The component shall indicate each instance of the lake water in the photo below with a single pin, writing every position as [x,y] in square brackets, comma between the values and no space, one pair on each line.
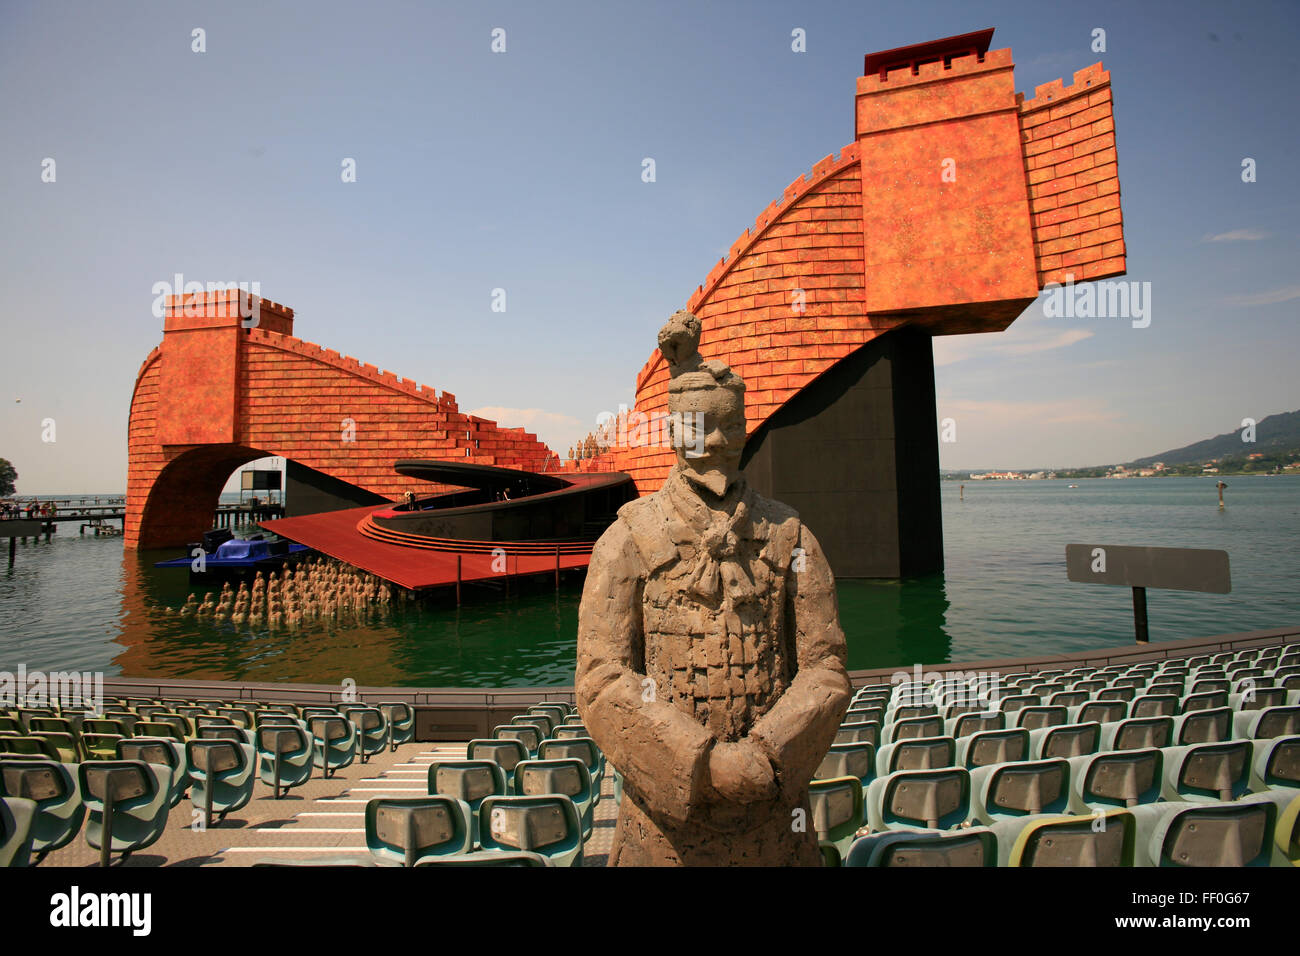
[83,603]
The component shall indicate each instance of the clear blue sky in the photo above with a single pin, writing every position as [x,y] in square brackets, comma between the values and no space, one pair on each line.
[522,170]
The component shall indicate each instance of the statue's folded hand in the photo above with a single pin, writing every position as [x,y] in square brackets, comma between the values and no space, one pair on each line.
[741,772]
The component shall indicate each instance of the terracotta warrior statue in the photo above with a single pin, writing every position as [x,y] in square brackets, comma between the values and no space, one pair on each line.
[711,664]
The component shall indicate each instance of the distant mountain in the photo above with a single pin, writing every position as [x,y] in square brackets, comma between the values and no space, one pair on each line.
[1275,433]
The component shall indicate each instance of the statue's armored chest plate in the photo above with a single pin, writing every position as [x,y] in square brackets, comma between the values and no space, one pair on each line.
[725,658]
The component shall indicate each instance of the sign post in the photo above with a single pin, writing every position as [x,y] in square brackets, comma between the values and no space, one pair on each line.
[1180,569]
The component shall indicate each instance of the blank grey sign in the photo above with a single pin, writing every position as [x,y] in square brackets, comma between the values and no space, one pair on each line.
[21,528]
[1180,569]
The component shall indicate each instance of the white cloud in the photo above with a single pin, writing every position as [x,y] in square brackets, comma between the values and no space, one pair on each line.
[1238,235]
[1276,296]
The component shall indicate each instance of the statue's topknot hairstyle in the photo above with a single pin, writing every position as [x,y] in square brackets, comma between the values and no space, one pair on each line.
[679,341]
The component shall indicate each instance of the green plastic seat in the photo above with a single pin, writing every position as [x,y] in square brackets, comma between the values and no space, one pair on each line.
[1209,726]
[556,711]
[838,810]
[401,721]
[973,846]
[66,746]
[568,776]
[1175,833]
[1115,779]
[471,782]
[568,731]
[163,751]
[126,803]
[488,858]
[100,746]
[12,725]
[1067,740]
[992,746]
[919,799]
[285,756]
[542,722]
[336,742]
[1049,840]
[1208,773]
[1268,722]
[1027,788]
[848,760]
[225,732]
[530,735]
[1156,705]
[1286,831]
[581,748]
[17,817]
[1138,733]
[1099,711]
[974,722]
[318,710]
[222,775]
[858,732]
[548,825]
[1037,716]
[912,727]
[505,753]
[29,746]
[1258,698]
[157,728]
[53,788]
[372,730]
[240,716]
[1276,764]
[917,753]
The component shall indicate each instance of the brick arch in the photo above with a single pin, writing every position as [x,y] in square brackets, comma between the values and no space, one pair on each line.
[215,395]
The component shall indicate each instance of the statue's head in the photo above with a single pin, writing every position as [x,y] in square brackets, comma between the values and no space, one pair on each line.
[706,405]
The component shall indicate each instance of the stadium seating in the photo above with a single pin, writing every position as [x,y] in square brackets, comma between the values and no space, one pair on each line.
[222,775]
[548,825]
[17,817]
[53,789]
[406,831]
[126,803]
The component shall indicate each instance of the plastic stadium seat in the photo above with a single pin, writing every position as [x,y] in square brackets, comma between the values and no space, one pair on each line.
[557,712]
[65,745]
[1200,686]
[408,830]
[569,732]
[225,732]
[372,730]
[100,746]
[919,799]
[32,746]
[1019,789]
[1202,727]
[285,756]
[319,710]
[1038,716]
[837,811]
[127,802]
[974,846]
[336,742]
[1276,764]
[856,715]
[164,752]
[1208,773]
[908,711]
[1125,694]
[1100,711]
[52,787]
[1286,831]
[1070,698]
[401,722]
[916,753]
[993,746]
[158,728]
[222,775]
[859,732]
[17,817]
[848,760]
[1268,722]
[504,753]
[548,825]
[1156,705]
[238,715]
[1257,698]
[581,748]
[1107,839]
[1206,700]
[470,781]
[530,735]
[11,724]
[973,723]
[542,722]
[912,727]
[569,776]
[488,858]
[1124,778]
[1067,740]
[1091,686]
[1137,733]
[1239,833]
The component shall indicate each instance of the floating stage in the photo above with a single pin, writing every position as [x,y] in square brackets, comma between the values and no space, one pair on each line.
[500,523]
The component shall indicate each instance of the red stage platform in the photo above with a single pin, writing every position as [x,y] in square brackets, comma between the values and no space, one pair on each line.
[336,534]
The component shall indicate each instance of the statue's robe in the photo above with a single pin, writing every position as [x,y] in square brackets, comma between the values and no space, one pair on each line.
[700,624]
